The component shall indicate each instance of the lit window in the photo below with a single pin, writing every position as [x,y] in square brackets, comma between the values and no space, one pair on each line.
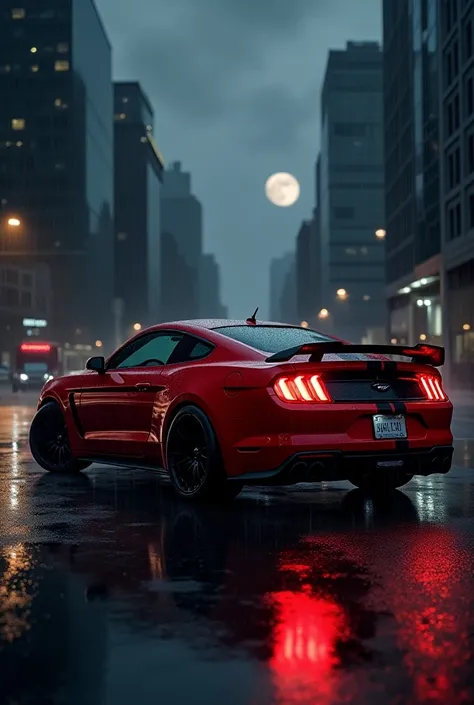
[62,48]
[120,116]
[124,100]
[5,69]
[143,140]
[18,13]
[35,68]
[58,102]
[61,65]
[122,236]
[19,144]
[18,124]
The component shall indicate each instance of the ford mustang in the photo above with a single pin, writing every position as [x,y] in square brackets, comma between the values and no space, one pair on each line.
[221,404]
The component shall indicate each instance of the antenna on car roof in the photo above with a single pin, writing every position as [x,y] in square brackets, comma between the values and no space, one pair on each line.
[252,321]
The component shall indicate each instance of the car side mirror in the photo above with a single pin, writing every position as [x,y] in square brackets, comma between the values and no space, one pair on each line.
[97,364]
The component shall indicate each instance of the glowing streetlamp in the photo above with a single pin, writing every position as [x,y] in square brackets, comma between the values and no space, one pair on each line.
[137,326]
[14,222]
[423,336]
[342,294]
[380,234]
[98,343]
[324,313]
[466,326]
[304,324]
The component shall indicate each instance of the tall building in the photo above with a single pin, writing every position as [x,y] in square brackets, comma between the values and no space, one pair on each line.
[179,292]
[138,176]
[457,185]
[56,158]
[412,167]
[305,304]
[181,220]
[351,184]
[287,302]
[280,267]
[210,305]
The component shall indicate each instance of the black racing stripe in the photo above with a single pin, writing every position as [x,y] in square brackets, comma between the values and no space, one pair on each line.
[401,445]
[374,366]
[390,368]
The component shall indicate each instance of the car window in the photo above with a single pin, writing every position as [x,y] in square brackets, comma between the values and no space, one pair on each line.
[147,349]
[199,350]
[272,339]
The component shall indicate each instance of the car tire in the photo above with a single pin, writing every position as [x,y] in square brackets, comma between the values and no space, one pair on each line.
[194,460]
[49,441]
[379,484]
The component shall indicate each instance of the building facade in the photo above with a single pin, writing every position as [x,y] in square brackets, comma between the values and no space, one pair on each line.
[138,176]
[181,228]
[210,305]
[412,149]
[456,34]
[280,268]
[56,158]
[351,185]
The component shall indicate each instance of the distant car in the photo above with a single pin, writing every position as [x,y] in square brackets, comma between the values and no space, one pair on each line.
[220,404]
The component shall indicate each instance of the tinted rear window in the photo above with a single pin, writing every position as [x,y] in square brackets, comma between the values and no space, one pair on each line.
[272,339]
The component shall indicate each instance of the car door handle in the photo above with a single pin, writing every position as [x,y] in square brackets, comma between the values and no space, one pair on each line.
[143,387]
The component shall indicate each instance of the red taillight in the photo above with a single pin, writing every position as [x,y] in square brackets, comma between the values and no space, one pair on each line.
[35,347]
[432,388]
[302,388]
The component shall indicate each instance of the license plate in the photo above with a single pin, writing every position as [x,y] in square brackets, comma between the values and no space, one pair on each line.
[389,426]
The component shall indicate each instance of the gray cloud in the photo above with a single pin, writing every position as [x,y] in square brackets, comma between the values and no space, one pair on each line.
[195,56]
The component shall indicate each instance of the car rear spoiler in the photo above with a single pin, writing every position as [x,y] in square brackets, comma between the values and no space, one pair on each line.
[425,354]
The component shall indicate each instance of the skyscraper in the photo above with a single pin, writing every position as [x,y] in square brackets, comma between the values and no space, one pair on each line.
[351,184]
[210,305]
[412,166]
[56,157]
[138,175]
[181,220]
[280,268]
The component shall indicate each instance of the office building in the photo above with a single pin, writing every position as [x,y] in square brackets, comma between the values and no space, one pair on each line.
[456,72]
[138,176]
[279,270]
[56,158]
[412,168]
[179,283]
[287,300]
[351,186]
[181,222]
[307,270]
[210,305]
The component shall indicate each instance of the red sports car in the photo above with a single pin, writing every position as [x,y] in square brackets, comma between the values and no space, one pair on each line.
[221,404]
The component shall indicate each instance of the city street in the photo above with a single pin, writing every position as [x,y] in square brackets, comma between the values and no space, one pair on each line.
[113,592]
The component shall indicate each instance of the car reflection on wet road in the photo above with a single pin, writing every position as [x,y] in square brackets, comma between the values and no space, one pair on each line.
[114,592]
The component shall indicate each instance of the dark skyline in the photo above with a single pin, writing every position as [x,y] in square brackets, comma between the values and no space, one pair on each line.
[235,88]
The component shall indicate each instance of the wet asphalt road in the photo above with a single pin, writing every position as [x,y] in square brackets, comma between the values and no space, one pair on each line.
[113,592]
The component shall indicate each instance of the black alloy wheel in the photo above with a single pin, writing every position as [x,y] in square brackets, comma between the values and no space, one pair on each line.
[49,441]
[193,458]
[379,483]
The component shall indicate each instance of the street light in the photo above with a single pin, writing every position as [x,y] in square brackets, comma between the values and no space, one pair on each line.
[304,324]
[14,222]
[380,234]
[341,294]
[466,326]
[324,313]
[137,326]
[98,343]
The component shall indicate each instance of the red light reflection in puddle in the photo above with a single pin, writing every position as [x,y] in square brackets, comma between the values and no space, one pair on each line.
[304,653]
[433,626]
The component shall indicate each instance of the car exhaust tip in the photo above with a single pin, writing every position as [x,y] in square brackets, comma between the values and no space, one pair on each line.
[298,471]
[315,470]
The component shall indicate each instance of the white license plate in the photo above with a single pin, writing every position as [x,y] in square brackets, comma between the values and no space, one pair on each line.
[389,426]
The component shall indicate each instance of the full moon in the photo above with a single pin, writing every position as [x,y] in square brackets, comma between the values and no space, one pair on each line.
[282,189]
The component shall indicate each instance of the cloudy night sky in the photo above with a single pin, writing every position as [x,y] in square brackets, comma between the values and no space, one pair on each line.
[235,87]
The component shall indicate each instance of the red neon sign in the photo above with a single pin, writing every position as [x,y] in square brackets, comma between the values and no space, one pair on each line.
[35,347]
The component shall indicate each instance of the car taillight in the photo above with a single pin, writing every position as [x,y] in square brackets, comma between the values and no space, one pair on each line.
[302,388]
[432,388]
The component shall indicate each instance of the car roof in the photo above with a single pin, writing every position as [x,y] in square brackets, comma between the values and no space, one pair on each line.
[213,323]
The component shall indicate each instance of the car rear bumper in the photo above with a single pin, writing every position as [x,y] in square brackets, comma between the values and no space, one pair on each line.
[337,465]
